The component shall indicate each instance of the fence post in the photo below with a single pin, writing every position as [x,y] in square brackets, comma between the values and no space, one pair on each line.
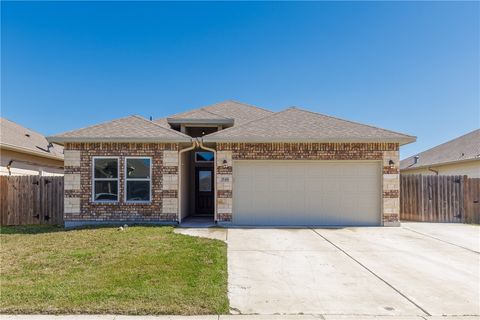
[465,203]
[422,209]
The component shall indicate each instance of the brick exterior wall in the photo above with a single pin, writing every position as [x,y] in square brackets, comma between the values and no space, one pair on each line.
[310,151]
[164,205]
[78,187]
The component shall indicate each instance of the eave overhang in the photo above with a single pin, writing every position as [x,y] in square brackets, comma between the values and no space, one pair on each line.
[438,164]
[201,121]
[11,147]
[401,141]
[63,140]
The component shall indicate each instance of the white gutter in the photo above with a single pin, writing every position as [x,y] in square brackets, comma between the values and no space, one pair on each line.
[439,164]
[179,192]
[214,177]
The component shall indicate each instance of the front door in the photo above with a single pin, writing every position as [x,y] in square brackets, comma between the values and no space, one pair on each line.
[204,191]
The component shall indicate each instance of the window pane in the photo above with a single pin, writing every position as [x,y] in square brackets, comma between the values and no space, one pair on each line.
[106,168]
[106,190]
[205,181]
[138,168]
[204,156]
[138,190]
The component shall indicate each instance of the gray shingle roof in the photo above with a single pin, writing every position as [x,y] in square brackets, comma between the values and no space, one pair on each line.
[297,125]
[16,137]
[130,129]
[197,114]
[239,112]
[463,148]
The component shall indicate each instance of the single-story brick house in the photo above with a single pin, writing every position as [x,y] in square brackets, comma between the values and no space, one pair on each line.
[235,163]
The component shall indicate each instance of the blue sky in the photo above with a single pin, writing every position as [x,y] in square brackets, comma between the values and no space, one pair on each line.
[412,67]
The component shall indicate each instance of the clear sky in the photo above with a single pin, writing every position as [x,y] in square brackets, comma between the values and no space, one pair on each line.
[412,67]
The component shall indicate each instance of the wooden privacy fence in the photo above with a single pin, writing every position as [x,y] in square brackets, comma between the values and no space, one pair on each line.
[432,198]
[31,200]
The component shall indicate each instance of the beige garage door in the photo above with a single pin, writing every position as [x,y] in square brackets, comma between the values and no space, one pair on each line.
[306,193]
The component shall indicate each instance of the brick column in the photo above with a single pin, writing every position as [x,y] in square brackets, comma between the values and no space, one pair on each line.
[391,189]
[170,184]
[72,185]
[224,181]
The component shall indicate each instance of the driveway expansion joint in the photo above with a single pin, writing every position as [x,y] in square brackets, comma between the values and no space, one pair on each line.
[438,239]
[373,273]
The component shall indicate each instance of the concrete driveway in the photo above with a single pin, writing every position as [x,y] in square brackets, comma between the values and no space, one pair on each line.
[417,269]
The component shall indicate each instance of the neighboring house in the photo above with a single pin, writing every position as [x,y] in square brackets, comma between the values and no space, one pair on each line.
[26,152]
[460,156]
[235,163]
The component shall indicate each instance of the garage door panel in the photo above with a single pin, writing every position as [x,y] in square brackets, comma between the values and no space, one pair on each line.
[306,193]
[279,183]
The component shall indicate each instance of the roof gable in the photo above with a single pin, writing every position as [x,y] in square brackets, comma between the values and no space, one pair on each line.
[197,114]
[297,125]
[463,148]
[17,137]
[129,129]
[223,112]
[238,111]
[200,116]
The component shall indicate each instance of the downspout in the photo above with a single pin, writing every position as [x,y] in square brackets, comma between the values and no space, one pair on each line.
[179,192]
[214,176]
[430,169]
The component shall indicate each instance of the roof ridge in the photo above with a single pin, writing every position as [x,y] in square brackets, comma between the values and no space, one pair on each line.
[219,115]
[354,122]
[242,125]
[156,124]
[248,105]
[192,110]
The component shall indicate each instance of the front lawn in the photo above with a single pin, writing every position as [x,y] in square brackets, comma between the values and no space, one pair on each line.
[141,270]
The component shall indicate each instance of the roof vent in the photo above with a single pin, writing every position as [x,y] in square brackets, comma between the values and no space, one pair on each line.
[415,159]
[27,135]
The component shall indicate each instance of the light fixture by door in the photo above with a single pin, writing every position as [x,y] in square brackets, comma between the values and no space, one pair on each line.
[391,163]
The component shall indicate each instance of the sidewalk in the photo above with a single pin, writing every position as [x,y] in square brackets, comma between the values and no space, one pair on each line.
[232,317]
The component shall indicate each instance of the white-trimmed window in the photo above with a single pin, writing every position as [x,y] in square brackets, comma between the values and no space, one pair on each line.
[105,186]
[138,179]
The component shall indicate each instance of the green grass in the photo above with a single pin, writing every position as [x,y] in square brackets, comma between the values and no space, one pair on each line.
[141,270]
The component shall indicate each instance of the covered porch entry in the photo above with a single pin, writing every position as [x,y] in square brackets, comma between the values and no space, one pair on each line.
[197,185]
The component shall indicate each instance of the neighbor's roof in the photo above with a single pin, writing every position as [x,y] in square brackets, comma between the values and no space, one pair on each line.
[18,138]
[221,112]
[464,148]
[130,129]
[297,125]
